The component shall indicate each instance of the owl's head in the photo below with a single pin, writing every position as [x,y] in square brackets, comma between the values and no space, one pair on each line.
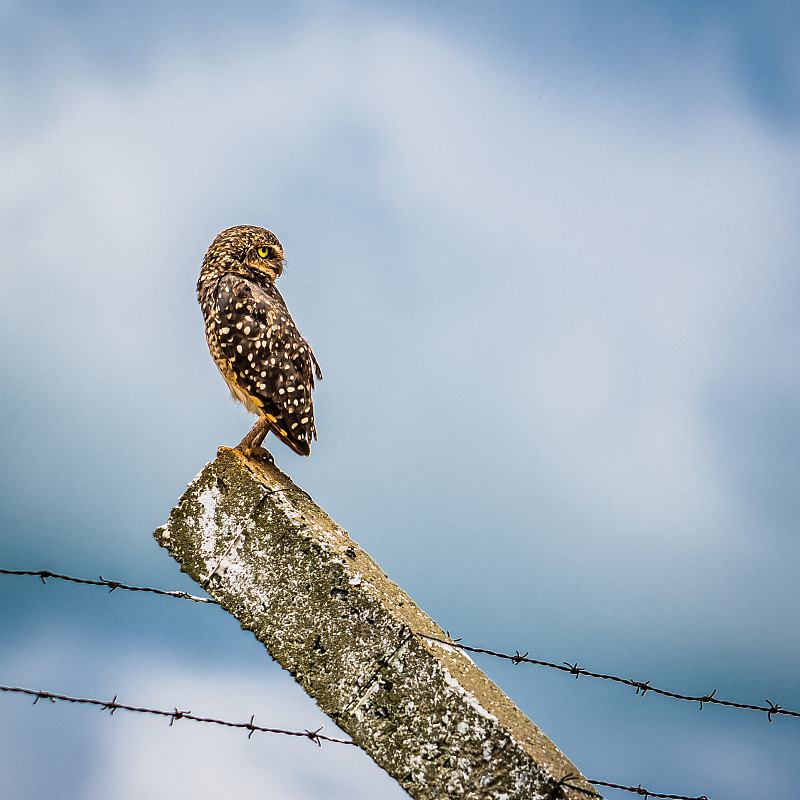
[246,250]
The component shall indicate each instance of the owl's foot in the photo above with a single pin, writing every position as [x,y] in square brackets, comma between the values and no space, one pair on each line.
[257,454]
[250,446]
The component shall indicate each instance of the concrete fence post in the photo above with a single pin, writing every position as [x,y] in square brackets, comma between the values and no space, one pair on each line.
[356,642]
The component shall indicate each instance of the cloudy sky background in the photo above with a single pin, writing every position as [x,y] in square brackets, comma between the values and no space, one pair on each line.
[547,255]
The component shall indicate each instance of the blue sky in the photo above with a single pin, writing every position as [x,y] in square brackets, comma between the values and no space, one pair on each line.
[547,255]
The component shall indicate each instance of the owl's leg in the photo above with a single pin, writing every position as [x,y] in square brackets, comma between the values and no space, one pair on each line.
[250,446]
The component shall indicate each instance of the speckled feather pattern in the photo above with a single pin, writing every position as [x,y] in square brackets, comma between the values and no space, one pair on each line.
[267,364]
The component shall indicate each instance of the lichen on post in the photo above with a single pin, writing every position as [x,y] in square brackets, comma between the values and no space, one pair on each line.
[356,642]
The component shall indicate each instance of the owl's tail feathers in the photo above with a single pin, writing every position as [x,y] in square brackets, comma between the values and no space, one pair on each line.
[300,445]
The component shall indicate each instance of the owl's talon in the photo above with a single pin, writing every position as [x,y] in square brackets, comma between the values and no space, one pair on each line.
[262,454]
[257,454]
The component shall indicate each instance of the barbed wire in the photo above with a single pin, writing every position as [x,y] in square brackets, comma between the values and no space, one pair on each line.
[315,736]
[44,574]
[642,687]
[173,716]
[640,790]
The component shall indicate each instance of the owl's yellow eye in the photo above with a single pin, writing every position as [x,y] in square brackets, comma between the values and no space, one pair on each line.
[264,252]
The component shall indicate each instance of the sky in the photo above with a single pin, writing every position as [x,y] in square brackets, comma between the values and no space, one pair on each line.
[547,256]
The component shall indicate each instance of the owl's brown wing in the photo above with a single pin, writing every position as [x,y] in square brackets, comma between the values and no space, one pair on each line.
[270,362]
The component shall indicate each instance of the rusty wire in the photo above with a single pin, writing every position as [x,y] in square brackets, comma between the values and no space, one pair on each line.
[173,716]
[640,790]
[315,735]
[44,574]
[642,687]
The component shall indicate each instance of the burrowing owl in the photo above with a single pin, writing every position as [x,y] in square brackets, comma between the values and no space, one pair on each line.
[267,364]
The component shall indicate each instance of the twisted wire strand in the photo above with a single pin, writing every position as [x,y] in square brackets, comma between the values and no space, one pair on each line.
[317,737]
[314,736]
[642,687]
[44,574]
[173,716]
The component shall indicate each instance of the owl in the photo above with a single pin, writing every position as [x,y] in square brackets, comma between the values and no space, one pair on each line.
[267,364]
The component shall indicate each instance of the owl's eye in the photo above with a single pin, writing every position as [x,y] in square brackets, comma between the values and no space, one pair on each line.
[264,252]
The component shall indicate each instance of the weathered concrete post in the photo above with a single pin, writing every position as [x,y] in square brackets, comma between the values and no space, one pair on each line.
[351,638]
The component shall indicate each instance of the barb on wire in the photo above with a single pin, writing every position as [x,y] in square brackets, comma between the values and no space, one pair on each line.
[44,574]
[315,736]
[640,790]
[173,716]
[637,790]
[642,687]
